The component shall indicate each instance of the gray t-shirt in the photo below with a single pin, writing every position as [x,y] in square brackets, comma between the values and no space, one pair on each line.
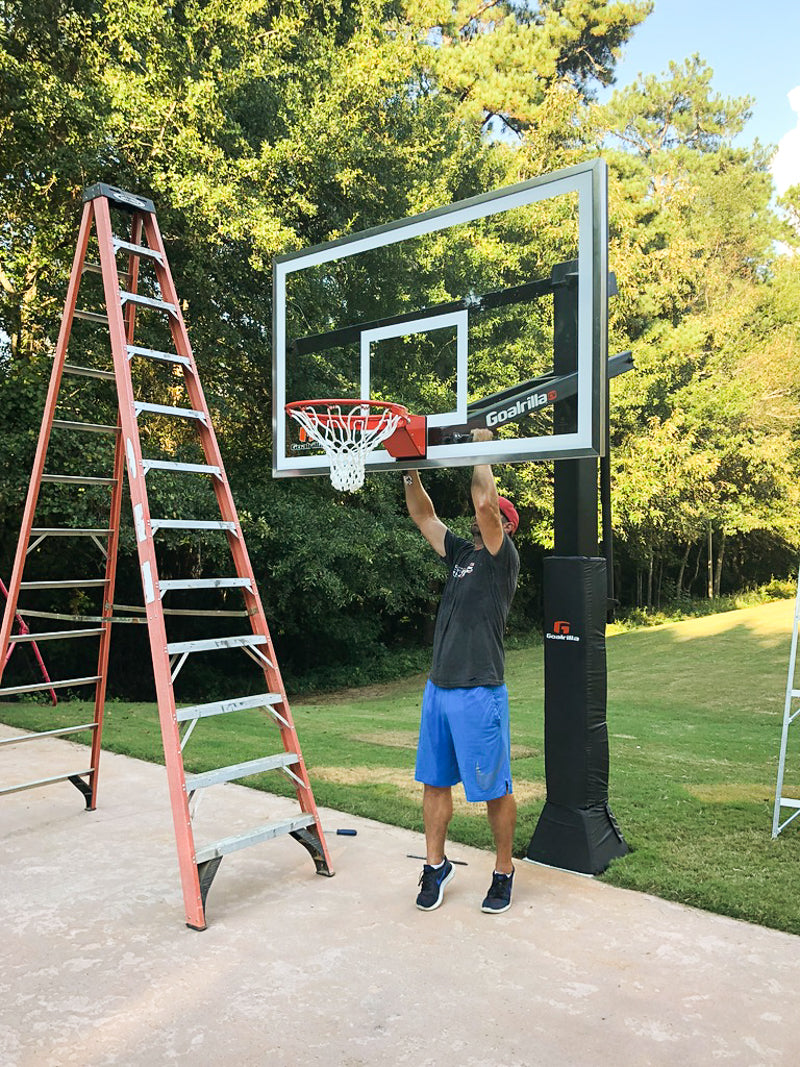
[468,639]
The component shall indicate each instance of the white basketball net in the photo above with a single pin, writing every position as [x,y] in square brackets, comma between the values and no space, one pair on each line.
[347,438]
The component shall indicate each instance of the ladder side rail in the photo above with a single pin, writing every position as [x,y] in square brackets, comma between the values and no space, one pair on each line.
[208,438]
[44,434]
[787,716]
[112,548]
[212,453]
[156,628]
[235,537]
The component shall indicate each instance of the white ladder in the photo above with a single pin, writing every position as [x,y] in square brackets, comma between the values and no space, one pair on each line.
[790,712]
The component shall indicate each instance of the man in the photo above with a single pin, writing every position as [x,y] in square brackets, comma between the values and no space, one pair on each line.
[464,730]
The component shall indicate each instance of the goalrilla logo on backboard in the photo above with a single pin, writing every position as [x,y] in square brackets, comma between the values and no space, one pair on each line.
[521,407]
[560,632]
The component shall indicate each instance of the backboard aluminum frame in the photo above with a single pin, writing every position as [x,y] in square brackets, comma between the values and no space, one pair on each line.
[590,181]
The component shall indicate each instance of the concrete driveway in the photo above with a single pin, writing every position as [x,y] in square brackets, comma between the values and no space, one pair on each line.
[98,967]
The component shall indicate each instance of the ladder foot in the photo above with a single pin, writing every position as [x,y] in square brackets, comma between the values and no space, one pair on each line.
[205,873]
[309,839]
[83,788]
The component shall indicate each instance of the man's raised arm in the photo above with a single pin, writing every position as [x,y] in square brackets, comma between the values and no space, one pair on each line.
[484,500]
[420,508]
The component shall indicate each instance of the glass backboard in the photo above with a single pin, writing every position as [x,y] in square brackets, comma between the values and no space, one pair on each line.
[452,313]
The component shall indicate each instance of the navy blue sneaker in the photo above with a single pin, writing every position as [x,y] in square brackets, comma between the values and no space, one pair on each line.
[499,896]
[433,880]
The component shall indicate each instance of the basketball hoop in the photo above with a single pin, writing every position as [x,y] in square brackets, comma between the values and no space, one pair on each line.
[348,430]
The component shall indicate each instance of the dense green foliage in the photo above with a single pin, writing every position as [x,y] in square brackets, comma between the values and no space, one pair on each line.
[259,127]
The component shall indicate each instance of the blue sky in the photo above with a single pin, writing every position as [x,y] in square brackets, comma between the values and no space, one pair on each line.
[753,49]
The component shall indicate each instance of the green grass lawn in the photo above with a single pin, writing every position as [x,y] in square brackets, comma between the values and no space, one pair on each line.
[694,718]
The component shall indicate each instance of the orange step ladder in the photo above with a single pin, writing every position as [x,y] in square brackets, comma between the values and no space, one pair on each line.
[144,266]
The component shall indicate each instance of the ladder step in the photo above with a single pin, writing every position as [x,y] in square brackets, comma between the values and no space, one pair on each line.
[48,733]
[164,409]
[90,427]
[193,613]
[44,781]
[205,583]
[215,643]
[253,837]
[164,357]
[68,531]
[148,465]
[186,468]
[137,250]
[97,268]
[191,524]
[786,803]
[148,301]
[70,479]
[222,707]
[48,685]
[71,583]
[88,372]
[57,635]
[29,613]
[91,316]
[240,770]
[37,536]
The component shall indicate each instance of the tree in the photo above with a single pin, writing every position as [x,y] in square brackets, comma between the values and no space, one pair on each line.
[500,60]
[692,243]
[259,127]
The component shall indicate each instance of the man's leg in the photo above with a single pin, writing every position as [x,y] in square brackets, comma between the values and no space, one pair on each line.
[502,814]
[437,811]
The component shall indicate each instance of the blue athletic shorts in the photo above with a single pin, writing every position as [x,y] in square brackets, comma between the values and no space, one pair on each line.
[464,737]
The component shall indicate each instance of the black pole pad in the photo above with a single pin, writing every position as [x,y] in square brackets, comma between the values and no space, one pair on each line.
[576,829]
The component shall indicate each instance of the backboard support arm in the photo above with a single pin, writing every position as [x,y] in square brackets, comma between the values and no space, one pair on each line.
[520,400]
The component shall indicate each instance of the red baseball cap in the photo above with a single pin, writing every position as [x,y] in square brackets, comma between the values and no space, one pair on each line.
[509,512]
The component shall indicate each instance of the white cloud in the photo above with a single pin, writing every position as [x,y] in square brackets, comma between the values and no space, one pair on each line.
[786,164]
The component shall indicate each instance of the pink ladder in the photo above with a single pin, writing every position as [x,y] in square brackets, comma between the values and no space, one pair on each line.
[24,634]
[122,305]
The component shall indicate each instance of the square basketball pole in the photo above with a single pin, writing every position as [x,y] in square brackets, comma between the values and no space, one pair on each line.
[576,830]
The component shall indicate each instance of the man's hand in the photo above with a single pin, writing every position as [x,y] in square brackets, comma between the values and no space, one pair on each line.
[482,434]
